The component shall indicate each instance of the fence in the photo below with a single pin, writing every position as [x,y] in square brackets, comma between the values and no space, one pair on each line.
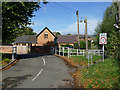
[19,49]
[66,51]
[9,50]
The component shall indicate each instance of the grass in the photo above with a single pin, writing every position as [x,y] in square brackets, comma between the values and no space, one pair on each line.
[4,61]
[100,75]
[82,61]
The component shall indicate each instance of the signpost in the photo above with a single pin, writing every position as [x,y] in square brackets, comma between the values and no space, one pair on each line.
[103,40]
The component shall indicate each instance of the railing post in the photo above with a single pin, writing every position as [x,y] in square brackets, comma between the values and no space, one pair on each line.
[68,52]
[16,52]
[77,52]
[63,51]
[83,53]
[99,52]
[12,53]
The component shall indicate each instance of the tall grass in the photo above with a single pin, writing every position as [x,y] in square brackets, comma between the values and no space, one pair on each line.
[82,61]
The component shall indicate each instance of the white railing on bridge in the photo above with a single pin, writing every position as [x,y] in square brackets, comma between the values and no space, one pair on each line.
[66,51]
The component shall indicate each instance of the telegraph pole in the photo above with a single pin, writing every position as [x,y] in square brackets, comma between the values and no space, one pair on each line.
[86,36]
[78,28]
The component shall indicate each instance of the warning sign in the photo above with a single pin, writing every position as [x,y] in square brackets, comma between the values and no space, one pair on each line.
[103,38]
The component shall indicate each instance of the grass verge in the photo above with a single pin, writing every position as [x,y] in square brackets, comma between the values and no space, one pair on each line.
[99,75]
[82,61]
[4,61]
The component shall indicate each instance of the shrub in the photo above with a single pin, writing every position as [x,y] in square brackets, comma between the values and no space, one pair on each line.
[82,45]
[6,60]
[67,45]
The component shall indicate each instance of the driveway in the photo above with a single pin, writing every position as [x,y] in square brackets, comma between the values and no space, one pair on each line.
[37,71]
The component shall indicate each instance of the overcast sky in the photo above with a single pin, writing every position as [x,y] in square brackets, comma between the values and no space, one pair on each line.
[61,16]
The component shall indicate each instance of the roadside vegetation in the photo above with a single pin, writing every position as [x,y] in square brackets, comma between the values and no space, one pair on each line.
[99,75]
[3,60]
[82,61]
[113,36]
[82,45]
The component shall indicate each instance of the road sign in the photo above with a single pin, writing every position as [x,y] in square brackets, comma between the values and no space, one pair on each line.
[103,38]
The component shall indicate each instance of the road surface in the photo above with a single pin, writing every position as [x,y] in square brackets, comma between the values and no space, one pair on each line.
[37,71]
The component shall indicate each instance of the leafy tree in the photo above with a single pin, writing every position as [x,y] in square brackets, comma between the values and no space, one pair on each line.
[106,26]
[57,33]
[15,16]
[26,31]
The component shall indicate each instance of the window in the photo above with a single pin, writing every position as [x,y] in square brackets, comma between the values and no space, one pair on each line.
[46,35]
[23,44]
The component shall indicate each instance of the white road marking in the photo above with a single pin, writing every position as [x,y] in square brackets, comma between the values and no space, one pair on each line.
[43,61]
[37,75]
[40,70]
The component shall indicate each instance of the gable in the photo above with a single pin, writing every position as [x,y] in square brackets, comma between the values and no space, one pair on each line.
[46,30]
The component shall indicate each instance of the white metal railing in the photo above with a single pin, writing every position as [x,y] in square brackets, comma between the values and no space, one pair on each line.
[66,51]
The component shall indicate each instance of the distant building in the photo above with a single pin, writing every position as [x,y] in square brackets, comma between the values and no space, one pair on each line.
[45,37]
[71,39]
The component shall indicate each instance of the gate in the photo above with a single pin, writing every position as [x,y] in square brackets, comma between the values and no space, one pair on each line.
[40,50]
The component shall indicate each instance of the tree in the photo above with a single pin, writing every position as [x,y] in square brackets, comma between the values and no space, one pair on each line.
[26,31]
[69,34]
[57,33]
[106,26]
[15,16]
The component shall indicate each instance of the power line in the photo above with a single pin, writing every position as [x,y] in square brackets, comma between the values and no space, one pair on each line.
[56,4]
[63,6]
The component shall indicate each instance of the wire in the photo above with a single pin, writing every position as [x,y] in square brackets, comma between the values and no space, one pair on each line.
[63,6]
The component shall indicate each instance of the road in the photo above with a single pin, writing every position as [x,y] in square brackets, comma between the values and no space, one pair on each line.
[38,71]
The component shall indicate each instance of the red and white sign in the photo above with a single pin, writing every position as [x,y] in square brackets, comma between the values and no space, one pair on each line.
[103,38]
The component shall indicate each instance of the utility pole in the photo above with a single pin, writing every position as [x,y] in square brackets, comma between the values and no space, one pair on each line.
[86,37]
[78,28]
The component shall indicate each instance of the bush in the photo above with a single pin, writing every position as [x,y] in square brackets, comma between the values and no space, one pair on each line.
[6,60]
[82,45]
[67,45]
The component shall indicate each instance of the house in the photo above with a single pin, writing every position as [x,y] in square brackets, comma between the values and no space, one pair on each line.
[66,39]
[26,40]
[71,39]
[45,37]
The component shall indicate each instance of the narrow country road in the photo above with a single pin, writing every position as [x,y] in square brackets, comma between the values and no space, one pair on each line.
[45,71]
